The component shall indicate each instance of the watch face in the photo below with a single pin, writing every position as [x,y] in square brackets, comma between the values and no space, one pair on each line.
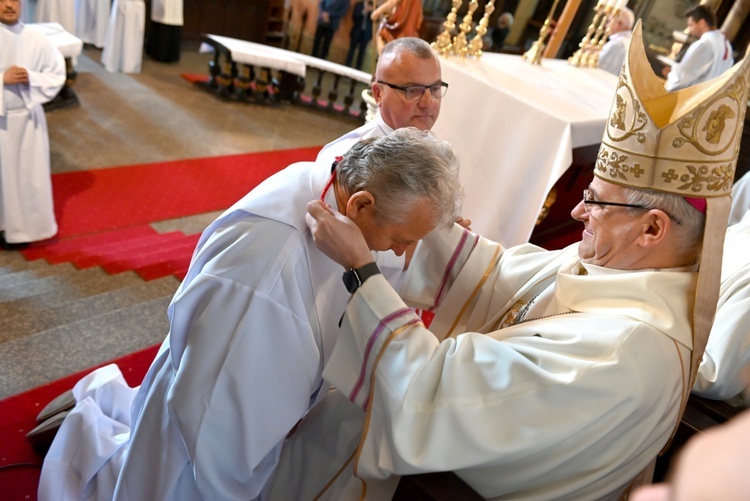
[351,281]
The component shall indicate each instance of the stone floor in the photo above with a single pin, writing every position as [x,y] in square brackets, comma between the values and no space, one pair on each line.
[55,320]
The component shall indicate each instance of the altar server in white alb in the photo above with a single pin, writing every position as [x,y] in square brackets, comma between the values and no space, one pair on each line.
[251,328]
[546,375]
[408,88]
[123,50]
[707,58]
[32,72]
[612,55]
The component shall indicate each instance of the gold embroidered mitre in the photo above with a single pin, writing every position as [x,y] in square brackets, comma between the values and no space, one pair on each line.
[683,142]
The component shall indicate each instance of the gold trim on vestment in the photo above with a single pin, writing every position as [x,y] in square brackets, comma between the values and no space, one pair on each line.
[493,263]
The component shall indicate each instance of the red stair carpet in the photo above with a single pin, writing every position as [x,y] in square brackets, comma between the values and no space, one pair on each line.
[104,214]
[20,464]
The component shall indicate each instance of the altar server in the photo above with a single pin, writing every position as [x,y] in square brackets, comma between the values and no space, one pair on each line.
[251,328]
[123,51]
[547,375]
[32,72]
[163,43]
[707,58]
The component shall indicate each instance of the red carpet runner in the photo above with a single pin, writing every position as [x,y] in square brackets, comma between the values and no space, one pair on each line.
[104,214]
[19,463]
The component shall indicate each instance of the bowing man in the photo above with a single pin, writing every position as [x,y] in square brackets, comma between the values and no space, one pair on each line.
[251,327]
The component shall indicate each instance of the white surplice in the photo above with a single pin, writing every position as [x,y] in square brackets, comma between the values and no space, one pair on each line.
[92,21]
[569,404]
[612,55]
[706,58]
[167,12]
[740,199]
[251,327]
[123,49]
[26,206]
[57,11]
[728,349]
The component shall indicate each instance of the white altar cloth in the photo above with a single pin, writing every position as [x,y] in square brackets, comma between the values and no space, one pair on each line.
[281,59]
[68,44]
[514,127]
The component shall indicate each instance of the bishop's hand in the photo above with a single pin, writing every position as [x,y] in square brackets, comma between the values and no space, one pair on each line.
[336,236]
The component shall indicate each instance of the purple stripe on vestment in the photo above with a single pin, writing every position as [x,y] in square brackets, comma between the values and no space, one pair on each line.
[410,322]
[449,268]
[370,343]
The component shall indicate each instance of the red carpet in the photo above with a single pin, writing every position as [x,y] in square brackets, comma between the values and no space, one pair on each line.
[103,215]
[19,463]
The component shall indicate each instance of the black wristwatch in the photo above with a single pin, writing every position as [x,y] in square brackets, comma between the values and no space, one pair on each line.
[354,277]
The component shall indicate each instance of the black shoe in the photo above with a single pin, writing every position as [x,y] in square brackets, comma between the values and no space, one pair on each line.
[11,246]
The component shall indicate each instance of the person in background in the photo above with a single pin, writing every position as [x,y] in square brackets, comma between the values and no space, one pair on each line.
[612,55]
[329,17]
[706,58]
[361,33]
[408,89]
[711,467]
[32,72]
[500,31]
[720,376]
[398,19]
[251,328]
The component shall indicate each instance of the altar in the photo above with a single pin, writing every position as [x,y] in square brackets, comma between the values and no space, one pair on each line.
[515,127]
[70,46]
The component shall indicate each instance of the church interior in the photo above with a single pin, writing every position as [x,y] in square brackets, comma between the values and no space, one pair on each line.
[56,319]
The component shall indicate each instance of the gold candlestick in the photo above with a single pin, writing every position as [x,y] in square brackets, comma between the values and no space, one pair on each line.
[585,46]
[476,44]
[534,54]
[591,57]
[443,42]
[460,47]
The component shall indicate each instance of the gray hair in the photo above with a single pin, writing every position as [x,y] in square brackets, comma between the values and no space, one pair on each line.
[412,45]
[401,169]
[626,18]
[691,221]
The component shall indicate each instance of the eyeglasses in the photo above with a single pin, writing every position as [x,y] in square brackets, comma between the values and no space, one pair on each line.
[414,92]
[588,202]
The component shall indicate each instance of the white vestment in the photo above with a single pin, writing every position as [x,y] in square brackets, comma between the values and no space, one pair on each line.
[706,58]
[569,404]
[728,348]
[612,55]
[374,128]
[251,327]
[123,49]
[92,21]
[26,206]
[57,11]
[740,199]
[167,12]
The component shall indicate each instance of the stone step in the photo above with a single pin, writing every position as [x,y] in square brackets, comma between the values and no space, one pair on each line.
[77,346]
[11,262]
[57,290]
[24,277]
[30,322]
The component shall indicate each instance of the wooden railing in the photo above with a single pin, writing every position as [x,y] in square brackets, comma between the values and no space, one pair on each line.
[258,74]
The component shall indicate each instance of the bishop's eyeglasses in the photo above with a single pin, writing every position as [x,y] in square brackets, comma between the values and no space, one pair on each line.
[414,92]
[589,203]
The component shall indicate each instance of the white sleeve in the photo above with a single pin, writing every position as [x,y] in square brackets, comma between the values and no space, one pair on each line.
[696,62]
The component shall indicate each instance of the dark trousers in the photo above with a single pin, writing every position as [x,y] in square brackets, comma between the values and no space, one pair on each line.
[358,46]
[322,42]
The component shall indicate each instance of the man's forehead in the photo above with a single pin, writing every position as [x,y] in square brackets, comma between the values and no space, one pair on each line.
[408,67]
